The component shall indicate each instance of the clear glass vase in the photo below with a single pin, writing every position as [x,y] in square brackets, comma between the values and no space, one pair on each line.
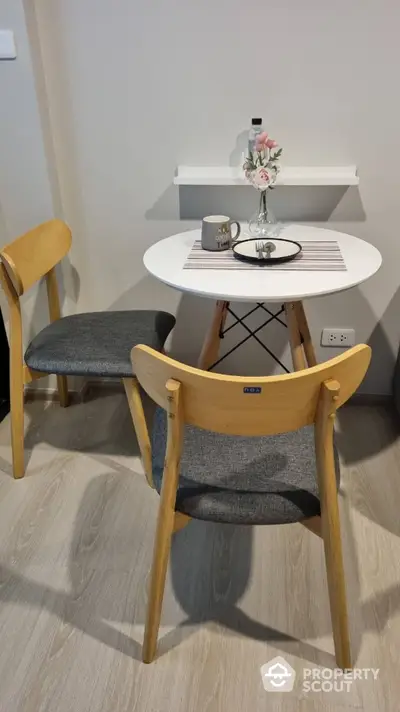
[263,223]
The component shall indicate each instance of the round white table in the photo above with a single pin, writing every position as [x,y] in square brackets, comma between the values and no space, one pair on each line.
[166,261]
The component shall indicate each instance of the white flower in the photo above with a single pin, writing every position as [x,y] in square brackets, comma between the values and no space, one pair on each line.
[262,178]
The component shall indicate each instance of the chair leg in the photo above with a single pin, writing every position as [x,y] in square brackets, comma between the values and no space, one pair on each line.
[336,585]
[166,519]
[62,387]
[180,521]
[162,546]
[313,524]
[17,422]
[330,522]
[132,390]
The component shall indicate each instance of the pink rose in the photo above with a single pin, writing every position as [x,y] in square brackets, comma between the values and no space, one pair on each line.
[261,178]
[270,143]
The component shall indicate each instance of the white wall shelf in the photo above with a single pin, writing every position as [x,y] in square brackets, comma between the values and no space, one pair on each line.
[298,175]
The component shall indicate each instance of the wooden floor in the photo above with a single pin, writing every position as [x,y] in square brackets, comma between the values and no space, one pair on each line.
[75,549]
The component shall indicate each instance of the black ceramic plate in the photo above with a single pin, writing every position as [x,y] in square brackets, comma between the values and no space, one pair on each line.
[285,250]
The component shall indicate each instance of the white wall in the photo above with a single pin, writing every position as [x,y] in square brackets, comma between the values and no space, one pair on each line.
[25,192]
[28,184]
[134,88]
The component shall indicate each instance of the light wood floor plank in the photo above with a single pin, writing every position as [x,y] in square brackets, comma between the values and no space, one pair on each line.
[75,551]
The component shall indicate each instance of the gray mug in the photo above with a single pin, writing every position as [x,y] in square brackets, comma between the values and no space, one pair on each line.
[216,232]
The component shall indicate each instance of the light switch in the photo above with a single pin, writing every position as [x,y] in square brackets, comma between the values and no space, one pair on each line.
[8,49]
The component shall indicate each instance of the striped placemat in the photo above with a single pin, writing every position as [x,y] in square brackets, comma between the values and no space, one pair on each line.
[315,256]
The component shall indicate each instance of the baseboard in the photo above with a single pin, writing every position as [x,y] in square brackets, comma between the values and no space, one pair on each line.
[50,395]
[371,399]
[90,389]
[99,387]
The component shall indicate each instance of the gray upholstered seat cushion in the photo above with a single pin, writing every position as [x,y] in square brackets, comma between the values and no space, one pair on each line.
[268,480]
[97,344]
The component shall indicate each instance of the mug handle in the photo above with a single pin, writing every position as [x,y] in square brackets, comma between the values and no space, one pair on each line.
[235,222]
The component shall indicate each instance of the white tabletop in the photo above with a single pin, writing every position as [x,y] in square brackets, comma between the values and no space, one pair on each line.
[165,261]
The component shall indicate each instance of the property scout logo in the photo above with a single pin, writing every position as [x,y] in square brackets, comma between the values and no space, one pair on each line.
[278,676]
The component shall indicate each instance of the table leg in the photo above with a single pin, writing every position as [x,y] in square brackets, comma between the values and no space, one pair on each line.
[305,334]
[296,345]
[210,349]
[301,345]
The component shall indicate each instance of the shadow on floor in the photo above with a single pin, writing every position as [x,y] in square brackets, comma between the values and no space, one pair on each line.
[206,583]
[210,571]
[380,422]
[99,426]
[210,564]
[363,435]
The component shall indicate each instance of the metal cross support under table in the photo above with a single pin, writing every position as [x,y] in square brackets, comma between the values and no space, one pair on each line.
[301,346]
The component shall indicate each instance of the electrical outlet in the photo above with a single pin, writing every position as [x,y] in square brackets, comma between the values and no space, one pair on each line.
[340,338]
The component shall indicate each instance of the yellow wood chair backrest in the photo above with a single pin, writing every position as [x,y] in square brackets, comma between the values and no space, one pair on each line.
[22,263]
[33,255]
[238,405]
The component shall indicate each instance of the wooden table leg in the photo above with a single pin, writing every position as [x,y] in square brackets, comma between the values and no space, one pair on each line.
[305,334]
[296,346]
[210,349]
[301,345]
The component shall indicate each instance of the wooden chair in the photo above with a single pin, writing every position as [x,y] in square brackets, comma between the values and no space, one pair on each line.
[210,458]
[94,344]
